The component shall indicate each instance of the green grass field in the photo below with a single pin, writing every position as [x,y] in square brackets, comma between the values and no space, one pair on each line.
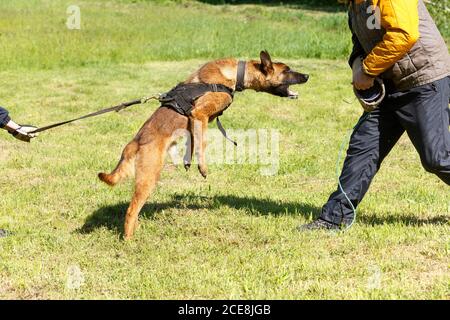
[232,235]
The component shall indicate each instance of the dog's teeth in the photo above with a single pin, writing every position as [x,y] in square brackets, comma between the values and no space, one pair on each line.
[293,94]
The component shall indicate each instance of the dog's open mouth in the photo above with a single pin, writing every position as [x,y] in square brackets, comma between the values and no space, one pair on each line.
[283,90]
[292,94]
[286,92]
[294,79]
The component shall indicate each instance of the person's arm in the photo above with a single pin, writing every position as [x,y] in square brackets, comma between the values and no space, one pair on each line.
[400,19]
[19,132]
[358,50]
[4,117]
[11,126]
[361,80]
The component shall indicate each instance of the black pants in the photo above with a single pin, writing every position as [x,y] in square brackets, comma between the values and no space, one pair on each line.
[4,117]
[422,112]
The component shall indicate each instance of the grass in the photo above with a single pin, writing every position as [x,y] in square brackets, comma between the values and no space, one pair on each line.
[440,10]
[231,236]
[131,31]
[128,32]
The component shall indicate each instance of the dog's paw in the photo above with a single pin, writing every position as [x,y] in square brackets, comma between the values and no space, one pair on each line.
[187,166]
[107,178]
[203,171]
[127,237]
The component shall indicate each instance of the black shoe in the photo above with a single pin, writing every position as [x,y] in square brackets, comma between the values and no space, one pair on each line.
[4,233]
[319,224]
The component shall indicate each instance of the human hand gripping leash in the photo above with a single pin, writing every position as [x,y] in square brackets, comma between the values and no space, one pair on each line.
[24,133]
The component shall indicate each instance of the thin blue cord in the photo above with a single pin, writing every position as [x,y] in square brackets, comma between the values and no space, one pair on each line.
[347,137]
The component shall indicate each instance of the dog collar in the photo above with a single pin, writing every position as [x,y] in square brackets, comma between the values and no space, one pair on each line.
[240,79]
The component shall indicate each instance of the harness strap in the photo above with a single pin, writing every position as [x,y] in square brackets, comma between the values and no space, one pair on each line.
[240,79]
[182,97]
[224,133]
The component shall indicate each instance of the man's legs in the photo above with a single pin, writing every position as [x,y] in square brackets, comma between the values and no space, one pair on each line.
[423,112]
[426,120]
[369,145]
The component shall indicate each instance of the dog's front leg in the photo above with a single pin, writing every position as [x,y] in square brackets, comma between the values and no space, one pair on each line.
[207,106]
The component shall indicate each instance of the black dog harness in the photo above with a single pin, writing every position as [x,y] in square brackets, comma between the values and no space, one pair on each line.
[182,98]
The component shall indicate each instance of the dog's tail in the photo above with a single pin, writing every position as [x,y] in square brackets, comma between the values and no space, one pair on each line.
[125,167]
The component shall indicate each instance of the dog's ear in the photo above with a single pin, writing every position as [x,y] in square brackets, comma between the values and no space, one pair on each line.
[266,62]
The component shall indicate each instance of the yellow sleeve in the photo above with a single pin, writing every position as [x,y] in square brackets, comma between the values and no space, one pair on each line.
[400,19]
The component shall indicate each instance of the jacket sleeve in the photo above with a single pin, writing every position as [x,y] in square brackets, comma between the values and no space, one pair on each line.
[357,50]
[4,117]
[400,19]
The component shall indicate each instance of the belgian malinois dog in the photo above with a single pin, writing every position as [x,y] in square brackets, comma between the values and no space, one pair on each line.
[146,153]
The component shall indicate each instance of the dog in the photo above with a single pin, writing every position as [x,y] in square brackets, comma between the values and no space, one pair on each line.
[146,153]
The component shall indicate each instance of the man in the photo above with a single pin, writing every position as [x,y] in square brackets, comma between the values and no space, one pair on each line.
[19,132]
[409,54]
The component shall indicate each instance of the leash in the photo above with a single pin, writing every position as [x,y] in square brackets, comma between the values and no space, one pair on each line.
[369,99]
[224,133]
[341,149]
[116,108]
[119,108]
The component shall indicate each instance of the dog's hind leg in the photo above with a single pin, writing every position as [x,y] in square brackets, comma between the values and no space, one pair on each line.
[149,163]
[125,166]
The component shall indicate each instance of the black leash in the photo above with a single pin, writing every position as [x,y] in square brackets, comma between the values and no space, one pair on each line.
[116,108]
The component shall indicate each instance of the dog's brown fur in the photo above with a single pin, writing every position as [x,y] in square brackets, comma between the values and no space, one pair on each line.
[146,153]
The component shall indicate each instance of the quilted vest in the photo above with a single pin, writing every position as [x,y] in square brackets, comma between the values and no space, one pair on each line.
[426,62]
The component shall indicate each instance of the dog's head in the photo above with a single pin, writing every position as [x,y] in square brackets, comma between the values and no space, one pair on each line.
[277,77]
